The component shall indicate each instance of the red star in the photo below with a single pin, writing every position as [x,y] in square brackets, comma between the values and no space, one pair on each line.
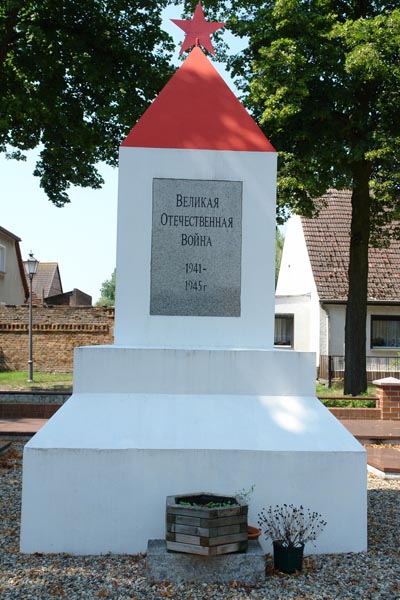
[198,30]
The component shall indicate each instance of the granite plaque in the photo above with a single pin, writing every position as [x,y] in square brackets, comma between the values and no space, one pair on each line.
[196,248]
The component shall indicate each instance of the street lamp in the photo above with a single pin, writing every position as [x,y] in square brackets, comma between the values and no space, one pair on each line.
[31,268]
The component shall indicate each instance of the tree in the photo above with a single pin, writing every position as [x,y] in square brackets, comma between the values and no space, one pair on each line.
[322,78]
[74,78]
[279,241]
[107,292]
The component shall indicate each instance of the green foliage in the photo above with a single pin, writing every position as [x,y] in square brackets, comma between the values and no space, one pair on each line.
[107,291]
[74,78]
[348,403]
[323,80]
[208,504]
[279,241]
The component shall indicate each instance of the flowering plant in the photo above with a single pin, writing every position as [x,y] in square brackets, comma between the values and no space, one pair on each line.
[290,525]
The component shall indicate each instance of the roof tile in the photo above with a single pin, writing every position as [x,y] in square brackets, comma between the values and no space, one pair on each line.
[328,239]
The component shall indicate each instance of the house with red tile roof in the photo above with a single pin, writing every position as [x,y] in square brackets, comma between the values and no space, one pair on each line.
[47,288]
[13,285]
[47,281]
[312,288]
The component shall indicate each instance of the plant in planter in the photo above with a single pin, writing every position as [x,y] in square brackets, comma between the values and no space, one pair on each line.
[245,495]
[206,524]
[290,528]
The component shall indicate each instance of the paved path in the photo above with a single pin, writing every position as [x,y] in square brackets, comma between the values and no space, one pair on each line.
[20,427]
[385,460]
[371,429]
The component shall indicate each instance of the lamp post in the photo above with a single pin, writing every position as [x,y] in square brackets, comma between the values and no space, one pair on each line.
[31,268]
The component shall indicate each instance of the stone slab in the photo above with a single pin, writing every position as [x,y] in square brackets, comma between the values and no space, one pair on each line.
[177,567]
[196,248]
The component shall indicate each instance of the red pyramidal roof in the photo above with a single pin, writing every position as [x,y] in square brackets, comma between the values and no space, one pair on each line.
[197,110]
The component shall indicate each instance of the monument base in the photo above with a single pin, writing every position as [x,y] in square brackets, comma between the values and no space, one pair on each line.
[97,475]
[175,567]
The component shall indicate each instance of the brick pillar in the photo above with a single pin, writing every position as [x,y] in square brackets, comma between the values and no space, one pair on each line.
[388,398]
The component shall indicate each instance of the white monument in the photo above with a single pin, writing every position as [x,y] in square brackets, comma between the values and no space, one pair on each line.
[192,396]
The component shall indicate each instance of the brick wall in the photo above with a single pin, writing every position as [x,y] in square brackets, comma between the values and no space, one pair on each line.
[388,398]
[57,330]
[355,413]
[27,411]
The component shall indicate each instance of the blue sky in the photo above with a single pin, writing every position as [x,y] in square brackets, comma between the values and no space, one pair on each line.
[81,236]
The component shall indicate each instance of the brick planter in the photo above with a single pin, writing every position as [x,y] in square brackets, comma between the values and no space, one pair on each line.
[388,397]
[199,529]
[355,413]
[27,411]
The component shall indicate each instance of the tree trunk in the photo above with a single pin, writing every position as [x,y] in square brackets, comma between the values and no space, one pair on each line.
[355,378]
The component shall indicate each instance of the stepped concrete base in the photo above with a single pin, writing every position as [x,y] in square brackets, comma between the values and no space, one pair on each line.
[176,567]
[96,476]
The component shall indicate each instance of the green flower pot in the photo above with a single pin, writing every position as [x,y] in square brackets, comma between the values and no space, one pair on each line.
[287,560]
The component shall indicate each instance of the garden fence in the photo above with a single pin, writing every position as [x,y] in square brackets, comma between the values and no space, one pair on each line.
[378,367]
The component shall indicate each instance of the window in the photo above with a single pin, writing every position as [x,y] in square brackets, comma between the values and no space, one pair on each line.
[385,332]
[284,330]
[2,259]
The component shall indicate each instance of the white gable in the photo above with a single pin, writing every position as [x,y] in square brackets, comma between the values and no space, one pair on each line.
[295,275]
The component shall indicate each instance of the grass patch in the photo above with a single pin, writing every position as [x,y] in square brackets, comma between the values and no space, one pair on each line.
[17,381]
[334,397]
[348,403]
[337,390]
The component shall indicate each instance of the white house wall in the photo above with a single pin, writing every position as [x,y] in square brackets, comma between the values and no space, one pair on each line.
[295,274]
[296,292]
[336,315]
[323,330]
[11,287]
[299,307]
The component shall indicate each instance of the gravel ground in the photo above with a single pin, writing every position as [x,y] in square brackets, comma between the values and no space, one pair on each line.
[374,575]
